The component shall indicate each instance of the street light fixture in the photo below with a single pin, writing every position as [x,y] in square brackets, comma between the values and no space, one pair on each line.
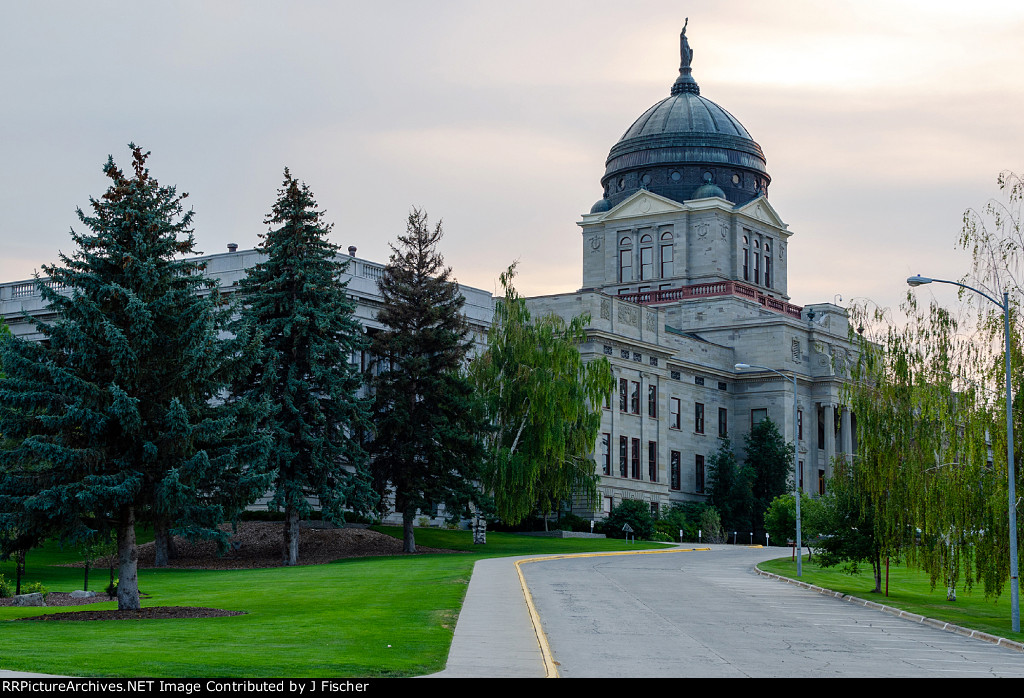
[919,280]
[796,460]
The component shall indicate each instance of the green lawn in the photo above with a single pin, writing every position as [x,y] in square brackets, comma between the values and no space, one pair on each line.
[386,616]
[910,590]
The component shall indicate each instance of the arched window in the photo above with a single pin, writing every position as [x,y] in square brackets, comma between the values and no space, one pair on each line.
[625,260]
[646,258]
[767,264]
[667,267]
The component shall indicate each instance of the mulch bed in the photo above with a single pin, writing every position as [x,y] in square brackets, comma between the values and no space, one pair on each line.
[151,613]
[256,544]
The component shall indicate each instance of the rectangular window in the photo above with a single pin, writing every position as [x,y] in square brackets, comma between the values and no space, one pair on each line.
[666,261]
[623,456]
[698,417]
[801,468]
[652,401]
[673,408]
[698,471]
[768,271]
[634,398]
[821,483]
[723,386]
[800,425]
[654,510]
[646,263]
[757,270]
[623,394]
[606,453]
[821,430]
[723,421]
[606,505]
[674,461]
[625,266]
[746,264]
[698,380]
[758,416]
[652,461]
[635,460]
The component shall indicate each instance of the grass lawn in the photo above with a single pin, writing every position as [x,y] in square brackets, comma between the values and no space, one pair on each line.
[383,616]
[910,590]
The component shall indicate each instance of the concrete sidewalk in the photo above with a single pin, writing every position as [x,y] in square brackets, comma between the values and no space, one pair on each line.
[494,637]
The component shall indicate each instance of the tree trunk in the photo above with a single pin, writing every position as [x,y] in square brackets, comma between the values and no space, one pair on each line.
[85,584]
[19,566]
[291,536]
[876,569]
[408,534]
[162,542]
[127,562]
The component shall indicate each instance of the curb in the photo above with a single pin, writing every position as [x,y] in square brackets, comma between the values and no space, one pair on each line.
[924,620]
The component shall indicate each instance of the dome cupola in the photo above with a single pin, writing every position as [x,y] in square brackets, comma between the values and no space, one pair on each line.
[683,145]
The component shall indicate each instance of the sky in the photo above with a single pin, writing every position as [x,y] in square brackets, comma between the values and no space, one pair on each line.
[881,122]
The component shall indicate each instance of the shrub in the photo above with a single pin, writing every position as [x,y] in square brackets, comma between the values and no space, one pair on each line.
[6,588]
[571,522]
[633,512]
[711,526]
[35,588]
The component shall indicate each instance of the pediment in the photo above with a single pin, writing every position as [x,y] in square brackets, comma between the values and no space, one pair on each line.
[760,210]
[643,203]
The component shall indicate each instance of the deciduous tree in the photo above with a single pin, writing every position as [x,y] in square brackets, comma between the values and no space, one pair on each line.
[544,403]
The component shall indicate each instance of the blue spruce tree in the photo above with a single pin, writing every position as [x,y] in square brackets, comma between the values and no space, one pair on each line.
[298,305]
[116,418]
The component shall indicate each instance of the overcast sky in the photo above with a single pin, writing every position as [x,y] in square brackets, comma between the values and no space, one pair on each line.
[881,121]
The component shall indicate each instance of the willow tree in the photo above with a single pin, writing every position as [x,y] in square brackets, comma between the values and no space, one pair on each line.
[922,466]
[544,403]
[928,396]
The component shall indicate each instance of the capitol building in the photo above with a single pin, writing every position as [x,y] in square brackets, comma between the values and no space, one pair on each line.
[684,276]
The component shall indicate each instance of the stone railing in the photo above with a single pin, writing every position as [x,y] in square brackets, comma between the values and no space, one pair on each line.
[717,288]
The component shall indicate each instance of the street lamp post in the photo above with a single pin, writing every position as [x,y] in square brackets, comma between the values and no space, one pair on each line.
[919,280]
[796,461]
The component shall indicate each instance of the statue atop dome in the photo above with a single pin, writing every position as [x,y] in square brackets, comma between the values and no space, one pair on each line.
[684,48]
[685,81]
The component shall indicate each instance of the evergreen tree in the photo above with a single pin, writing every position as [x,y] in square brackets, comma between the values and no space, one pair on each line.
[427,448]
[114,420]
[545,405]
[729,487]
[769,460]
[304,317]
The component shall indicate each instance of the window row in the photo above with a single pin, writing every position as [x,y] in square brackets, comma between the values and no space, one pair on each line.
[630,462]
[756,249]
[675,417]
[675,472]
[646,258]
[629,458]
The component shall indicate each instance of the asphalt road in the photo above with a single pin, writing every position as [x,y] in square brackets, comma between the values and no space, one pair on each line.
[707,614]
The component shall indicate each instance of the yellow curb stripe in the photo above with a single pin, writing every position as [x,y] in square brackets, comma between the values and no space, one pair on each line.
[550,668]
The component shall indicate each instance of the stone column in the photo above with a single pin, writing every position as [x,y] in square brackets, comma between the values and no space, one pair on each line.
[830,436]
[846,432]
